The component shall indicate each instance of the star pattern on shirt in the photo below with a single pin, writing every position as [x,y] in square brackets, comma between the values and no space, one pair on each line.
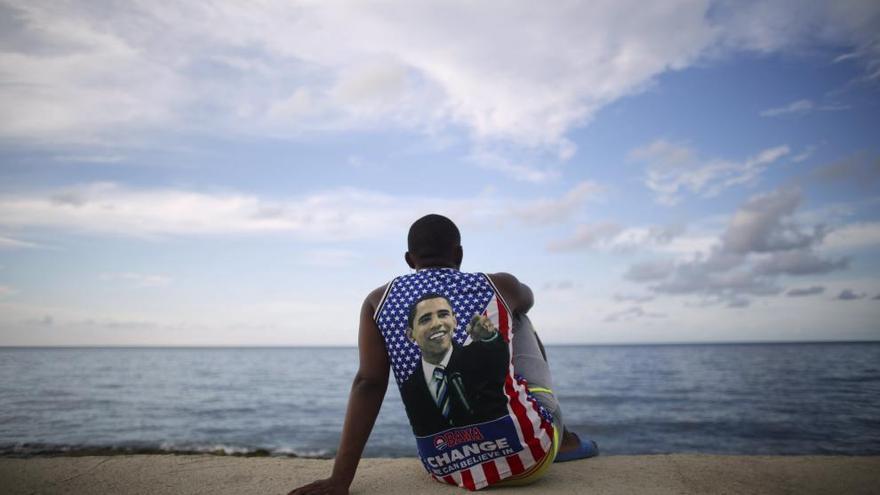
[469,294]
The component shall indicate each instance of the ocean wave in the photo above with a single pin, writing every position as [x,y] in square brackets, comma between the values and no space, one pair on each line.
[24,450]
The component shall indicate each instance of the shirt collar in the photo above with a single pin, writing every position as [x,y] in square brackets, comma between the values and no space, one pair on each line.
[428,368]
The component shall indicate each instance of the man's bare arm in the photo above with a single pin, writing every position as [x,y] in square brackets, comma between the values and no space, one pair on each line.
[517,294]
[364,401]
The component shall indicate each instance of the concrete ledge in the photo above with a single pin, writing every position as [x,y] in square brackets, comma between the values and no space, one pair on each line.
[656,474]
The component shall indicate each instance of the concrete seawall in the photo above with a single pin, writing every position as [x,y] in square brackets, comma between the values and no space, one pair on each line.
[656,474]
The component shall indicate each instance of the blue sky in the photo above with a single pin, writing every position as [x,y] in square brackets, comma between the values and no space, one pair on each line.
[225,174]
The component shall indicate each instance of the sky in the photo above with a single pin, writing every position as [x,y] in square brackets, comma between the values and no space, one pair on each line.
[243,174]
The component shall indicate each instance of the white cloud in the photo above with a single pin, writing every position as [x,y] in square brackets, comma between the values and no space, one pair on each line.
[587,236]
[799,25]
[499,162]
[372,84]
[853,236]
[139,280]
[806,291]
[560,285]
[10,243]
[637,238]
[544,211]
[859,172]
[71,77]
[522,73]
[797,107]
[633,298]
[609,236]
[798,262]
[107,158]
[356,161]
[117,210]
[763,241]
[632,313]
[334,215]
[764,224]
[689,245]
[804,155]
[648,271]
[330,257]
[800,107]
[675,169]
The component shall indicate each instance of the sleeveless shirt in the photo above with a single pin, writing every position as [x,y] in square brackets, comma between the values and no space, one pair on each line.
[475,423]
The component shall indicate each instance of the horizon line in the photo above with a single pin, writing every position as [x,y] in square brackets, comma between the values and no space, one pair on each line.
[350,346]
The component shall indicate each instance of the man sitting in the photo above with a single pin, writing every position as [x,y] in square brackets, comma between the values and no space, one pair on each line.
[413,326]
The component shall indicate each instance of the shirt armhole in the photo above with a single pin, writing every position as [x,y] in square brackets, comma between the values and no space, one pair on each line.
[497,293]
[382,300]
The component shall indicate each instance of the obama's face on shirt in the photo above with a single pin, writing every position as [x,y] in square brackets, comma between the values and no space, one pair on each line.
[432,328]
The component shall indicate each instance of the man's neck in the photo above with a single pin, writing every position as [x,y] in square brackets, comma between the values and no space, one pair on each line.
[436,265]
[438,359]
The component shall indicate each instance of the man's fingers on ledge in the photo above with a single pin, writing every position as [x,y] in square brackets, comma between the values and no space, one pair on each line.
[320,487]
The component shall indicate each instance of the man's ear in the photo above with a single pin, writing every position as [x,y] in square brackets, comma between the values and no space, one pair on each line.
[457,256]
[409,334]
[409,260]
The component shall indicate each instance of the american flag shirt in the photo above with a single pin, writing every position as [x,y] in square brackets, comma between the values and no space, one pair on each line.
[478,455]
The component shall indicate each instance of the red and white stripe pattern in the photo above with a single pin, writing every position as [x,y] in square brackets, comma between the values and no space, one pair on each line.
[534,431]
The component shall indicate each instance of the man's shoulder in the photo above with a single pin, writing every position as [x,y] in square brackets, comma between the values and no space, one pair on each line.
[375,297]
[517,294]
[503,278]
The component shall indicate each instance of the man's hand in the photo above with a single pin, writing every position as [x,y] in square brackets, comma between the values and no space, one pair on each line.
[481,328]
[321,487]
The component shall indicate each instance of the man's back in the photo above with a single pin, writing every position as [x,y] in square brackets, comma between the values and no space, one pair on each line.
[448,336]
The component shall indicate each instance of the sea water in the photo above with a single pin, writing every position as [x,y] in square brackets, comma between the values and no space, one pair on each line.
[729,399]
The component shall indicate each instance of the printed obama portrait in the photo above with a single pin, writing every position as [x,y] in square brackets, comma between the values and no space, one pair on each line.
[455,385]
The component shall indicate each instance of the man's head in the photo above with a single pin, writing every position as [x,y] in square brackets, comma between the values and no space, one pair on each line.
[431,325]
[433,240]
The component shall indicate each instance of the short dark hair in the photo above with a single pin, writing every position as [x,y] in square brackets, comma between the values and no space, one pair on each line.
[433,238]
[425,297]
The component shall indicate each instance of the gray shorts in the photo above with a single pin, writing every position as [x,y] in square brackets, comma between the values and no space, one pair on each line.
[529,362]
